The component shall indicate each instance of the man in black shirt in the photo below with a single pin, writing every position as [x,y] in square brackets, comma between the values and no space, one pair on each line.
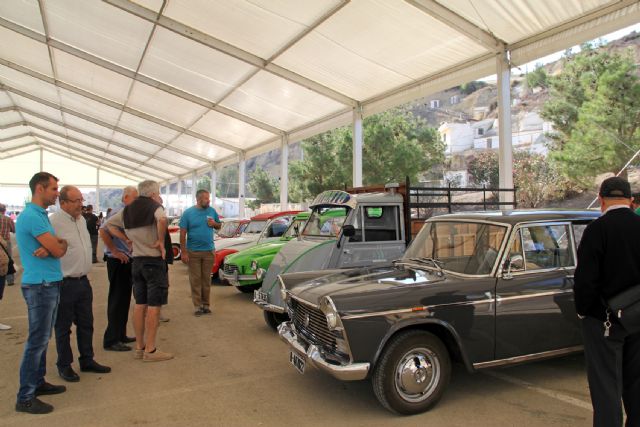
[608,264]
[92,226]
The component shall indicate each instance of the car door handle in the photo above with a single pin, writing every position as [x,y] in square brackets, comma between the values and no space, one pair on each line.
[347,251]
[569,276]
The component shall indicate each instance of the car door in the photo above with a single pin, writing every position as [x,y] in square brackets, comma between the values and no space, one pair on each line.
[534,297]
[378,238]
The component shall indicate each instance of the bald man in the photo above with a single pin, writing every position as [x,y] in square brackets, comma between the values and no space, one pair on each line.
[76,295]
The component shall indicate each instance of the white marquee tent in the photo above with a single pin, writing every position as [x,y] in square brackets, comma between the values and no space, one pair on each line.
[165,89]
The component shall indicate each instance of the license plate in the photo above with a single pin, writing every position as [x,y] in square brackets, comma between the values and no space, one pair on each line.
[297,361]
[258,295]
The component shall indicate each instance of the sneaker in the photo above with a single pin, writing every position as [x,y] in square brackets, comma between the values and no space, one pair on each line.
[33,406]
[4,327]
[46,388]
[10,283]
[156,356]
[206,310]
[164,319]
[138,353]
[199,312]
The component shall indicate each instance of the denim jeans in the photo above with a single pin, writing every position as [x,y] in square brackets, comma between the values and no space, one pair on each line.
[42,304]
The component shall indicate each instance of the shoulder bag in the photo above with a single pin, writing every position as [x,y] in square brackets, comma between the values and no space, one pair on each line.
[626,308]
[12,268]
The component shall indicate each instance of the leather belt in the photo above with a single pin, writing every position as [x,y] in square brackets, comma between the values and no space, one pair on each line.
[75,278]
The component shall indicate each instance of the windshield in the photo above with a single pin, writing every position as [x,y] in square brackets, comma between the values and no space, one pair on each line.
[325,221]
[255,227]
[291,231]
[228,229]
[460,247]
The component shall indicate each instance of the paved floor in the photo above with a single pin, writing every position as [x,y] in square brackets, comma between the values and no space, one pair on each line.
[231,370]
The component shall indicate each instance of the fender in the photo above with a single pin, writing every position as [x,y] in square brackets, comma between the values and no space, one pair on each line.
[411,324]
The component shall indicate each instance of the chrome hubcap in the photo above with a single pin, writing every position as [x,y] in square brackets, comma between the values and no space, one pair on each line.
[417,374]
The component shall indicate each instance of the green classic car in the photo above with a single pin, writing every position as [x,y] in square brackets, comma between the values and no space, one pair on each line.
[246,269]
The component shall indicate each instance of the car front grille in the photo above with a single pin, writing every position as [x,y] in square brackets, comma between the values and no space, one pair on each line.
[230,268]
[312,325]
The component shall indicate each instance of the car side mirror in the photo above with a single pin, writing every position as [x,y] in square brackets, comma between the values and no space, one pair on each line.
[515,262]
[348,230]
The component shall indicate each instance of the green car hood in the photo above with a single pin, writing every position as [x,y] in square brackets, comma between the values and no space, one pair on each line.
[244,257]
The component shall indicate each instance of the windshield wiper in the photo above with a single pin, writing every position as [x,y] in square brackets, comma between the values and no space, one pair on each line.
[426,263]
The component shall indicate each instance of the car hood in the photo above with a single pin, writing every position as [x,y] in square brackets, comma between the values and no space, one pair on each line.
[376,285]
[235,241]
[263,249]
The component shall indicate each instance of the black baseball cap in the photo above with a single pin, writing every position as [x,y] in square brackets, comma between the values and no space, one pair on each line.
[615,187]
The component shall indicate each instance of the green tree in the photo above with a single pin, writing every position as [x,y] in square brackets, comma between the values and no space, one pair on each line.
[537,77]
[204,183]
[227,182]
[264,187]
[483,169]
[396,144]
[595,110]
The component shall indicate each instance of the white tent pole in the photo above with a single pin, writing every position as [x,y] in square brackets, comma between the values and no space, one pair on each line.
[284,173]
[241,185]
[180,195]
[357,146]
[214,183]
[505,151]
[41,159]
[97,209]
[194,184]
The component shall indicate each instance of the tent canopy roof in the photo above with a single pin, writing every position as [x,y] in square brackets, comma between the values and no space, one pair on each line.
[159,89]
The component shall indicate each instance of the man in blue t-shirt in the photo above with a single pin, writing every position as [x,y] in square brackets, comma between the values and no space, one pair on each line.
[196,244]
[40,253]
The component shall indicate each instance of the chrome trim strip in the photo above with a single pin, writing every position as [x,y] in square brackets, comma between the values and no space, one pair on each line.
[301,301]
[527,357]
[347,372]
[428,308]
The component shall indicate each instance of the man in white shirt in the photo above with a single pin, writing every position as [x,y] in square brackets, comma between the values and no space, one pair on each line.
[76,295]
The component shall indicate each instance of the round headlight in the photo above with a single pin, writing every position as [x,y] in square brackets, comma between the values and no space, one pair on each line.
[330,312]
[332,320]
[254,265]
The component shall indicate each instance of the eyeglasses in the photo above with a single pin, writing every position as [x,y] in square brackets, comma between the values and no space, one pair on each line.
[73,201]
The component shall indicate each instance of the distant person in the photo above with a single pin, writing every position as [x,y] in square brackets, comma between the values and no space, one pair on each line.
[76,295]
[145,223]
[197,248]
[4,267]
[7,226]
[635,204]
[609,264]
[100,219]
[118,254]
[40,252]
[92,227]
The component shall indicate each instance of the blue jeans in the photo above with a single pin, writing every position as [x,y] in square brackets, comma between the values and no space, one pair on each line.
[42,304]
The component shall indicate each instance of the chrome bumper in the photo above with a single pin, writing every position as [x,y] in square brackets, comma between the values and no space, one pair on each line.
[235,278]
[260,299]
[349,372]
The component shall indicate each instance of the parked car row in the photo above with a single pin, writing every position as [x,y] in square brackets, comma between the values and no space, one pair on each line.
[352,294]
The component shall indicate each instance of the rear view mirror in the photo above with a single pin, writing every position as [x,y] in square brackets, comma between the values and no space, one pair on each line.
[348,230]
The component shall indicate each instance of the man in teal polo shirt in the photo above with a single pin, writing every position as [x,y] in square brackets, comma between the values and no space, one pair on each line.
[40,253]
[196,244]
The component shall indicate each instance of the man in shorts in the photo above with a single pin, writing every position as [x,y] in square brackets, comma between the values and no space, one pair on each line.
[145,224]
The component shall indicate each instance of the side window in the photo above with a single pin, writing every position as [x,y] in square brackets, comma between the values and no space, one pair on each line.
[381,223]
[578,230]
[278,227]
[547,246]
[516,249]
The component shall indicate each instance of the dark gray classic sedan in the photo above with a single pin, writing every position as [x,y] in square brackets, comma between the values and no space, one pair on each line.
[484,289]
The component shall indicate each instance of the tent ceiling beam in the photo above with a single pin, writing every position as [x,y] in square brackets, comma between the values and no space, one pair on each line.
[17,147]
[137,77]
[249,58]
[97,122]
[458,23]
[10,156]
[118,166]
[116,105]
[11,125]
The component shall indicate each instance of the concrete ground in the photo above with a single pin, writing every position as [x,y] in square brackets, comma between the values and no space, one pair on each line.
[230,369]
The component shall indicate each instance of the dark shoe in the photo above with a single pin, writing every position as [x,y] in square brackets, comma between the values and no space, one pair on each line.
[94,366]
[46,388]
[68,374]
[34,406]
[128,339]
[118,347]
[10,284]
[205,310]
[199,312]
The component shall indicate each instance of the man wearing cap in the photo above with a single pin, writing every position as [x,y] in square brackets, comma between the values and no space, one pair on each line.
[608,264]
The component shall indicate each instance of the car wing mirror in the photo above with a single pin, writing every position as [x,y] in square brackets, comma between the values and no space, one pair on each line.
[348,230]
[515,262]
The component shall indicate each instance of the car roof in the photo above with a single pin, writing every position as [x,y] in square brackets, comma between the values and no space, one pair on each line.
[269,215]
[515,216]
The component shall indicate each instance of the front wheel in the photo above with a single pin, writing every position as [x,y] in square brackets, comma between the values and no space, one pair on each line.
[412,373]
[248,289]
[275,319]
[176,251]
